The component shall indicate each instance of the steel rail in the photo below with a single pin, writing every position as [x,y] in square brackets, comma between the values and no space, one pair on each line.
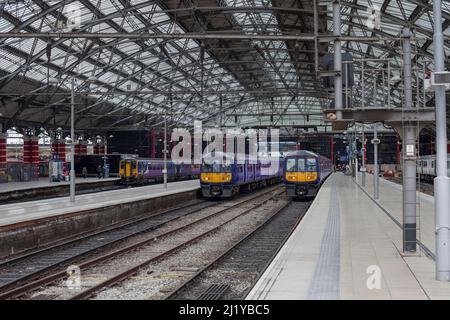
[81,253]
[231,247]
[22,289]
[83,236]
[131,271]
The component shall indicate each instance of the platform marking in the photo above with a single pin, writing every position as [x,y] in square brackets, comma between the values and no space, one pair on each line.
[326,280]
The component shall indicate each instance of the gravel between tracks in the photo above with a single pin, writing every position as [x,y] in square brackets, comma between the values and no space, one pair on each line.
[152,281]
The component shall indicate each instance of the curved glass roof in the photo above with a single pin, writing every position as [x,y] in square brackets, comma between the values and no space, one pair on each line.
[132,82]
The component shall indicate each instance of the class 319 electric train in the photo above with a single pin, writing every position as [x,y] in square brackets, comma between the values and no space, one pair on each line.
[304,173]
[225,178]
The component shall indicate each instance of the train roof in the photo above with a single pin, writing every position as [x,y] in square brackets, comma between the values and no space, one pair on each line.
[231,157]
[301,153]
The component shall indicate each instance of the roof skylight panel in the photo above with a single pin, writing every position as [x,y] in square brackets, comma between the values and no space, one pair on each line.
[107,77]
[107,7]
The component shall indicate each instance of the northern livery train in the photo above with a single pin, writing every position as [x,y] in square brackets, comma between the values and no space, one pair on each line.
[304,172]
[139,171]
[227,178]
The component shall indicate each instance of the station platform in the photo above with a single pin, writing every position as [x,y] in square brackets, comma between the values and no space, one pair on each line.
[25,211]
[46,183]
[349,246]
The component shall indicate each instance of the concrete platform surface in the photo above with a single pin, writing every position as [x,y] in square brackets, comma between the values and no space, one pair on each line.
[347,247]
[44,182]
[19,212]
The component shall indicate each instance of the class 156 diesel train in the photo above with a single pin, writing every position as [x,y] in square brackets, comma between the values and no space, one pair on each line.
[304,173]
[139,171]
[226,178]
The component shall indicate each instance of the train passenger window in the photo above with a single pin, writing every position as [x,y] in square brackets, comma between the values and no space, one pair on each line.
[311,165]
[290,165]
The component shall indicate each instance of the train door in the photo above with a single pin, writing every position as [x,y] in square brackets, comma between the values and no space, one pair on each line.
[127,168]
[134,168]
[240,172]
[244,166]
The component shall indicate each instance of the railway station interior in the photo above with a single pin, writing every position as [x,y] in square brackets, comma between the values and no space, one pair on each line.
[245,150]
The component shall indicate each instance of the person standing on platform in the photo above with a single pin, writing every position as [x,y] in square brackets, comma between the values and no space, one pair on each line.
[99,171]
[84,172]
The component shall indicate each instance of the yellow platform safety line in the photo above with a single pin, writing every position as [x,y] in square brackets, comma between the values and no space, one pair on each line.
[216,177]
[301,176]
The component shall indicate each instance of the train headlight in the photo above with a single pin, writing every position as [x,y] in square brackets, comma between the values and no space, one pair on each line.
[291,177]
[226,177]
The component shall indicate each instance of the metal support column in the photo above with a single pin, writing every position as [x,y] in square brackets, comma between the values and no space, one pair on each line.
[409,154]
[363,159]
[72,137]
[376,191]
[165,148]
[337,59]
[356,161]
[316,34]
[153,143]
[441,182]
[332,150]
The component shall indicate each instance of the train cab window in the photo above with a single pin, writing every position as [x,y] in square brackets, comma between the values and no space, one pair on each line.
[122,164]
[290,165]
[311,165]
[301,165]
[216,168]
[133,165]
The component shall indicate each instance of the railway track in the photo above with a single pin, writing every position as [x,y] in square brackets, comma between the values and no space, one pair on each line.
[33,265]
[424,185]
[233,274]
[22,277]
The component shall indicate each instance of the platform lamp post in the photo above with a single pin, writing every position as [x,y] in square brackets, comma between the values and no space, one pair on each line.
[442,181]
[72,142]
[72,135]
[72,132]
[165,148]
[363,157]
[375,141]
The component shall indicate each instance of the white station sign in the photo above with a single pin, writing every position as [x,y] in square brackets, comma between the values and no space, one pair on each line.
[410,150]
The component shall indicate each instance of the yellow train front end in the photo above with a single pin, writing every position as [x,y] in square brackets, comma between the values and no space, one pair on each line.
[128,171]
[301,175]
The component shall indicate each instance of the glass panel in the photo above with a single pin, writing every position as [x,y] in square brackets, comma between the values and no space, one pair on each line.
[311,165]
[301,165]
[216,168]
[290,165]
